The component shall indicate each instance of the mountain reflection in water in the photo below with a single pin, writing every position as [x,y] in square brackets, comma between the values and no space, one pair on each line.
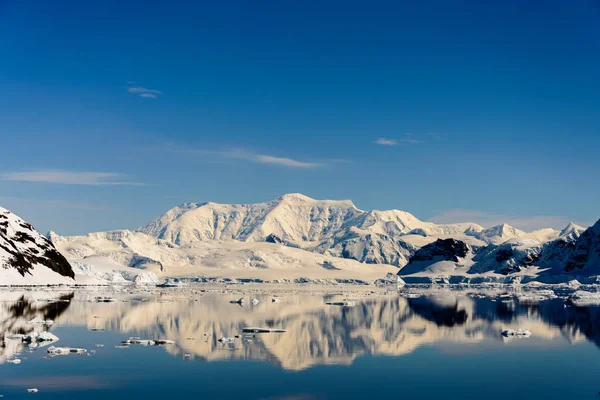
[316,333]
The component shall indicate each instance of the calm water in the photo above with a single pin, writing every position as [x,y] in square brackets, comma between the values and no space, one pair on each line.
[443,345]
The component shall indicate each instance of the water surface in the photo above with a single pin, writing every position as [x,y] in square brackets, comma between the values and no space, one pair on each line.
[439,344]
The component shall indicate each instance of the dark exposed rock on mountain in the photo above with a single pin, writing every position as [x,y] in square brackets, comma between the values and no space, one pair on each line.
[25,250]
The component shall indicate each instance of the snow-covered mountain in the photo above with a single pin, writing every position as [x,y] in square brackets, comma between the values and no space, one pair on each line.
[299,237]
[127,254]
[294,218]
[27,257]
[325,226]
[574,253]
[585,257]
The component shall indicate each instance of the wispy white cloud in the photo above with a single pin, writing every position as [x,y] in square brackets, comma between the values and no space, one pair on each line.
[257,158]
[386,142]
[407,139]
[267,159]
[69,177]
[487,220]
[143,92]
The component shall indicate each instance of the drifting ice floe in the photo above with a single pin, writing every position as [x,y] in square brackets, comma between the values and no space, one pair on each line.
[36,337]
[522,333]
[583,298]
[39,321]
[341,303]
[262,330]
[64,351]
[102,299]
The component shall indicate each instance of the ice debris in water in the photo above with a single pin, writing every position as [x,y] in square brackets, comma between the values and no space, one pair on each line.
[36,337]
[143,342]
[516,333]
[39,321]
[583,298]
[262,330]
[64,351]
[341,303]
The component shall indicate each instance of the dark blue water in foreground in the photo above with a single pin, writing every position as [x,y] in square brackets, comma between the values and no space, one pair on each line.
[391,347]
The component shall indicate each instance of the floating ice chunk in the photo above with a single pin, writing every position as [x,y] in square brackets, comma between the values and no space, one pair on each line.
[64,351]
[341,303]
[583,298]
[105,299]
[36,337]
[143,342]
[516,333]
[39,321]
[163,341]
[262,330]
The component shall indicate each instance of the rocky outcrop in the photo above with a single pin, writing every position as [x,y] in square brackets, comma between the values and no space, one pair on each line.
[24,250]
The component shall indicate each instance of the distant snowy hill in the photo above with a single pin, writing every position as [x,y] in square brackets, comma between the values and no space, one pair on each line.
[573,253]
[27,257]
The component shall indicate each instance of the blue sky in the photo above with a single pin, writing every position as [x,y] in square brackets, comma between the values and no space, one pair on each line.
[113,112]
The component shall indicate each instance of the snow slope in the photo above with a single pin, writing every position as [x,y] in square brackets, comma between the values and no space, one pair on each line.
[27,257]
[116,252]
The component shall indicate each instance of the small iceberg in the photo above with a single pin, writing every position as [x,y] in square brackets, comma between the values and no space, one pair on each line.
[520,333]
[39,321]
[262,330]
[143,342]
[582,298]
[65,351]
[163,341]
[105,299]
[36,337]
[341,303]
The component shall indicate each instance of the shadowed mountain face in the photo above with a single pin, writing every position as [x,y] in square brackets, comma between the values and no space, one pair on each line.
[316,333]
[23,249]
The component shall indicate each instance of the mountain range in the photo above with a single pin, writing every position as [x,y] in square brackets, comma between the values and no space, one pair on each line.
[296,237]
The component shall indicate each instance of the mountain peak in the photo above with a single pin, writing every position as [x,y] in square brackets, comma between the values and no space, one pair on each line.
[571,230]
[298,198]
